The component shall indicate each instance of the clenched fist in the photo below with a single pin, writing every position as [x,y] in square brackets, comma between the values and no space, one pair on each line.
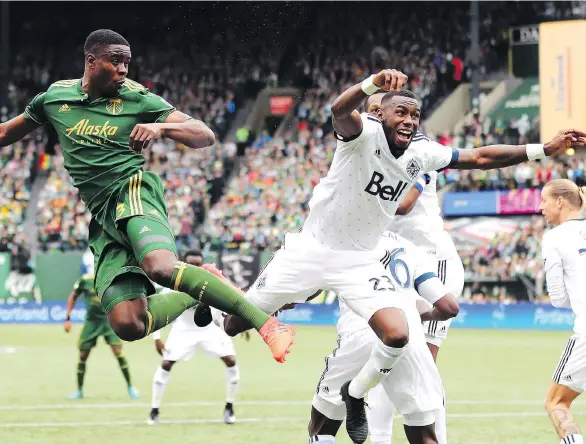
[390,80]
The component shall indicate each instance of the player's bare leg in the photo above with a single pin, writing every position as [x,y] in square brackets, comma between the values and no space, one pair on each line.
[420,434]
[558,401]
[321,428]
[160,381]
[83,356]
[391,327]
[123,363]
[232,383]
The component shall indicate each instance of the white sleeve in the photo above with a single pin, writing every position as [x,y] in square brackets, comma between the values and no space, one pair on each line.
[554,275]
[370,127]
[438,157]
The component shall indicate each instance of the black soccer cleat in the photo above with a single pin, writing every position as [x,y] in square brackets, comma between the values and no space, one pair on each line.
[356,422]
[229,417]
[203,315]
[153,418]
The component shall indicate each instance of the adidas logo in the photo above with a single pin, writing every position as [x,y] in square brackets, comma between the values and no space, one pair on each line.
[567,378]
[144,230]
[64,108]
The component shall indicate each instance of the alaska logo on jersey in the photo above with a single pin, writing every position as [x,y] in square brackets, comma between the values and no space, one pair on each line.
[385,192]
[114,106]
[83,127]
[413,169]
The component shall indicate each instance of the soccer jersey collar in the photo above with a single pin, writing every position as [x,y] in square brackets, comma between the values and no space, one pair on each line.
[85,97]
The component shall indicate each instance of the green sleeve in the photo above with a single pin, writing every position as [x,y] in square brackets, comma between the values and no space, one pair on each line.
[35,111]
[154,108]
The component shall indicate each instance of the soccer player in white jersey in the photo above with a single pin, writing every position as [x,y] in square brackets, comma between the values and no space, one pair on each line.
[418,219]
[183,341]
[354,204]
[414,384]
[564,253]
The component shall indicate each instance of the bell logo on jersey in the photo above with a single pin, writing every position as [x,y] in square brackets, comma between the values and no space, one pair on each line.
[385,192]
[83,127]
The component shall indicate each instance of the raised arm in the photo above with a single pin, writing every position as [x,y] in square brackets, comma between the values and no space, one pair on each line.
[346,119]
[15,129]
[499,156]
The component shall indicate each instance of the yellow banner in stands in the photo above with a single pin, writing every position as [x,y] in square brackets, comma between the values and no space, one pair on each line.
[562,65]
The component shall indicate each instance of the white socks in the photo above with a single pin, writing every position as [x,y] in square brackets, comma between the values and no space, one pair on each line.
[160,381]
[379,365]
[232,379]
[572,439]
[322,439]
[440,425]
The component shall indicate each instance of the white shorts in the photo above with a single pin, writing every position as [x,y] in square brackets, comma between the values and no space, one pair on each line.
[182,344]
[302,267]
[414,385]
[571,369]
[451,273]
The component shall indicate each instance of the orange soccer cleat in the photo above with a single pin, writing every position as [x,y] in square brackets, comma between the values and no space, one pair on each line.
[279,338]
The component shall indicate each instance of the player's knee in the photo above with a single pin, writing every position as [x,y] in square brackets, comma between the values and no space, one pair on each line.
[158,265]
[230,361]
[396,337]
[167,365]
[127,326]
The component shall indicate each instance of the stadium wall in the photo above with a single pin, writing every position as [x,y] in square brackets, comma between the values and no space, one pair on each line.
[522,316]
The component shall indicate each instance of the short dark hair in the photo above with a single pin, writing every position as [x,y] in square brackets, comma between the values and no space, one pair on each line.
[192,253]
[103,37]
[367,100]
[401,93]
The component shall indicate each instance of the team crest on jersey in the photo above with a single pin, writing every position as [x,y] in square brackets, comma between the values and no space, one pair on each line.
[413,169]
[114,106]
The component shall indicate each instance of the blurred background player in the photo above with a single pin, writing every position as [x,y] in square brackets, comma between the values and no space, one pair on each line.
[95,325]
[564,255]
[183,341]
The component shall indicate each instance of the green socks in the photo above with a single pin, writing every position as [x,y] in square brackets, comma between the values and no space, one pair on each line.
[205,287]
[164,308]
[124,367]
[80,372]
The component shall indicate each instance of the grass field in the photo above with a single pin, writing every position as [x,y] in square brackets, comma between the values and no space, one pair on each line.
[495,381]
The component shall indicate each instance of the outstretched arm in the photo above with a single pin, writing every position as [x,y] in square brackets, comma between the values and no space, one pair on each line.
[499,156]
[15,129]
[346,119]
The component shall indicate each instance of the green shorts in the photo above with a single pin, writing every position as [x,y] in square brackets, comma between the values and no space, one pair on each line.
[140,198]
[92,330]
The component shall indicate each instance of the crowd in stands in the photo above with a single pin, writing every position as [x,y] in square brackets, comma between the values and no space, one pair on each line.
[210,75]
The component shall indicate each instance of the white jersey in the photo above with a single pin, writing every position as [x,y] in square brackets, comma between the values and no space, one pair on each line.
[355,203]
[409,268]
[564,253]
[424,225]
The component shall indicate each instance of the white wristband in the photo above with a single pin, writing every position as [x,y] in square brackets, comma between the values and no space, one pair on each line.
[156,335]
[368,86]
[535,151]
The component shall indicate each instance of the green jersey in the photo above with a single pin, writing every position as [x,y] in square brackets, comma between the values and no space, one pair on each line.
[94,135]
[85,288]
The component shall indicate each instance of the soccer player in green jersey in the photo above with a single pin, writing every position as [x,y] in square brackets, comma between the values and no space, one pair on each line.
[95,325]
[104,121]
